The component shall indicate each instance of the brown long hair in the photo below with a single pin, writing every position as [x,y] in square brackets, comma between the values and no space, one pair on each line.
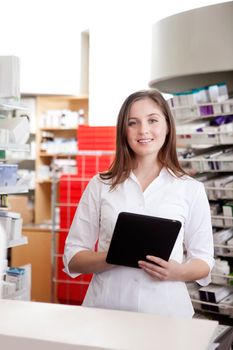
[123,162]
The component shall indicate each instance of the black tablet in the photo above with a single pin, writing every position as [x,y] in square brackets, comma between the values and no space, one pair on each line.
[137,235]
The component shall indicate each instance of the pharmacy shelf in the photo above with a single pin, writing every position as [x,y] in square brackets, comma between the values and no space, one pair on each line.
[13,189]
[65,155]
[226,278]
[219,188]
[95,153]
[223,309]
[15,147]
[195,106]
[181,121]
[60,128]
[12,107]
[200,133]
[17,242]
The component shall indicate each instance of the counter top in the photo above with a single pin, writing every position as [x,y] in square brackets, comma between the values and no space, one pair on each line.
[32,325]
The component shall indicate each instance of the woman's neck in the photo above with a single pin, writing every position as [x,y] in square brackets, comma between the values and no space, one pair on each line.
[146,172]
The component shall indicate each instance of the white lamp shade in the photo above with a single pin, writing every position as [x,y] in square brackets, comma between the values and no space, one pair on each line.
[193,49]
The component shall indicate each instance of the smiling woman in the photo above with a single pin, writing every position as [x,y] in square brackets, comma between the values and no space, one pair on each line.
[144,178]
[147,130]
[142,114]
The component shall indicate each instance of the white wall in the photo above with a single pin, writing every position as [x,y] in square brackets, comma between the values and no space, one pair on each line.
[120,52]
[46,35]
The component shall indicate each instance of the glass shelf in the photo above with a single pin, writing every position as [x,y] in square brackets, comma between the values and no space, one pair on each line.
[13,189]
[15,147]
[12,107]
[17,242]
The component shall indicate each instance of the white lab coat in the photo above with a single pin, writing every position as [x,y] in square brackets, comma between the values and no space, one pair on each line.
[132,289]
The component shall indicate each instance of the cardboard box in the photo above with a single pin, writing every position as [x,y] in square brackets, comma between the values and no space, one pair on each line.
[20,204]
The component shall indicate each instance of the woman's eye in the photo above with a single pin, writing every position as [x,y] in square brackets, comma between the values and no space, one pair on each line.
[152,121]
[131,122]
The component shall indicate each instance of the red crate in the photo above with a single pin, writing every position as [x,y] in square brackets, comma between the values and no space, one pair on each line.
[96,138]
[69,290]
[90,165]
[70,191]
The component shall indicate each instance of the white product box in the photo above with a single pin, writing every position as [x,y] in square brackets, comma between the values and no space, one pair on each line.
[10,77]
[221,237]
[12,224]
[16,228]
[19,129]
[214,293]
[8,174]
[5,223]
[226,305]
[228,211]
[8,289]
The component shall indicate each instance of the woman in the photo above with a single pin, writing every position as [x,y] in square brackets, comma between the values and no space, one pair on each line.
[144,178]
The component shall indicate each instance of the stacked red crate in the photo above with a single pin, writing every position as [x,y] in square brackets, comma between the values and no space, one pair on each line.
[96,138]
[71,188]
[96,152]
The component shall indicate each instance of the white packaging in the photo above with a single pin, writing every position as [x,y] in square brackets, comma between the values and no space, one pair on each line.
[222,268]
[228,212]
[5,223]
[8,174]
[8,289]
[228,193]
[226,305]
[4,136]
[214,293]
[16,228]
[19,280]
[19,129]
[230,242]
[220,238]
[10,77]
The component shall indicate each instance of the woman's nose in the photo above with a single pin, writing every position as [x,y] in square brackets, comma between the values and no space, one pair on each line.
[144,128]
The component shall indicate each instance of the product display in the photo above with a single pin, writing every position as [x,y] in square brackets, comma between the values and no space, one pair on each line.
[69,189]
[205,151]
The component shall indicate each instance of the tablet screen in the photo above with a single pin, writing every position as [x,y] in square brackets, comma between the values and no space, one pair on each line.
[135,236]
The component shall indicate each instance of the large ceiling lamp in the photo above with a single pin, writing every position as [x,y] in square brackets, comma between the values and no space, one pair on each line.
[193,49]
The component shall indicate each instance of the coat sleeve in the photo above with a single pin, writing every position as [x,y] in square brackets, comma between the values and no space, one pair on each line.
[198,237]
[84,230]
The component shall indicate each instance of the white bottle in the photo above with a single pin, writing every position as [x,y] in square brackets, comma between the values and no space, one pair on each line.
[81,117]
[2,255]
[221,267]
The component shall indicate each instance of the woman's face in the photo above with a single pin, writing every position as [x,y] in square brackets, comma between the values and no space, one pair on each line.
[146,128]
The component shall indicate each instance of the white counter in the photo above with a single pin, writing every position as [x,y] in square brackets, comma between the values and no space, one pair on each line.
[33,325]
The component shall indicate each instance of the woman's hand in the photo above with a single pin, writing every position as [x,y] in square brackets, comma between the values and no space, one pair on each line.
[162,270]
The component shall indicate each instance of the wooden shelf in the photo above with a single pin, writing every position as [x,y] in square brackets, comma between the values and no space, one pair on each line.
[43,187]
[61,155]
[45,181]
[58,129]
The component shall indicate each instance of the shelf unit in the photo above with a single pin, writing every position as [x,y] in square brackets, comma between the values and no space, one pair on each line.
[96,153]
[43,185]
[201,164]
[21,293]
[66,193]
